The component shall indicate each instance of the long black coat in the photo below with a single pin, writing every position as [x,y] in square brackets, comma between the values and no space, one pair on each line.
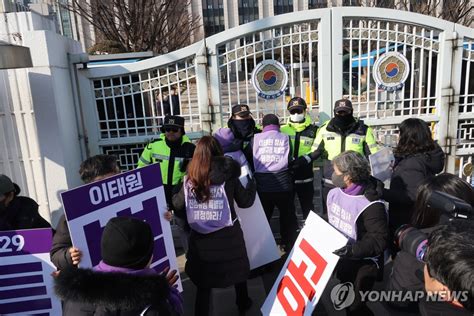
[219,259]
[86,292]
[408,174]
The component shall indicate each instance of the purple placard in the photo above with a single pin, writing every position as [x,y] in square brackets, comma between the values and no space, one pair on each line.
[25,242]
[26,285]
[86,199]
[87,214]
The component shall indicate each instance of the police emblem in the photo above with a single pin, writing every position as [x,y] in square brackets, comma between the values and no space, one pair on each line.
[391,71]
[269,79]
[171,121]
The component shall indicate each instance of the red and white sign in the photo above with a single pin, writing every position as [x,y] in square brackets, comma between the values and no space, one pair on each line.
[307,270]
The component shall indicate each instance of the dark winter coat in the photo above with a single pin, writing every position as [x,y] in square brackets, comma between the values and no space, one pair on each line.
[87,292]
[22,213]
[372,227]
[409,172]
[219,259]
[59,252]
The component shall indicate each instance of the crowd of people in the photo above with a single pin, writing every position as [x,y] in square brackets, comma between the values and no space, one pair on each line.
[279,159]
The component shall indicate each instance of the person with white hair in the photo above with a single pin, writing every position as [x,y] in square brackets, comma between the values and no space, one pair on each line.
[356,210]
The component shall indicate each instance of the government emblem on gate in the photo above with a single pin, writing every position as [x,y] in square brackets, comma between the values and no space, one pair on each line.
[391,71]
[269,78]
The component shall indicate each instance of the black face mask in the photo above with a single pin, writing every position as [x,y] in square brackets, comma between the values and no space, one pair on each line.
[343,122]
[243,129]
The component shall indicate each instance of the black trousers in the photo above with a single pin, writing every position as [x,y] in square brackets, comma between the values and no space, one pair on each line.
[203,298]
[362,274]
[326,187]
[284,201]
[305,193]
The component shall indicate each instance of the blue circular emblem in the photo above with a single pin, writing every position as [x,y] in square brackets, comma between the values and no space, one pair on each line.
[269,79]
[391,71]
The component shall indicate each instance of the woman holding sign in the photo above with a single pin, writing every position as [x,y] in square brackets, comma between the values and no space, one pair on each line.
[217,257]
[356,210]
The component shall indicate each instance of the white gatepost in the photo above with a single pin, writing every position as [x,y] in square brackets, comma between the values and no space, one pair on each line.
[202,89]
[445,95]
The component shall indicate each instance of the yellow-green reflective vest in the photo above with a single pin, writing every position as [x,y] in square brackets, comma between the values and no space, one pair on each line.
[157,151]
[302,136]
[335,143]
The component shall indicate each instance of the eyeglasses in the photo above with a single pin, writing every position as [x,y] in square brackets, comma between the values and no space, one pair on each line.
[171,129]
[296,111]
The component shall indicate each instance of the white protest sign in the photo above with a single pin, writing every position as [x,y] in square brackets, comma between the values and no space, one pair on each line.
[307,270]
[259,242]
[26,284]
[381,164]
[138,193]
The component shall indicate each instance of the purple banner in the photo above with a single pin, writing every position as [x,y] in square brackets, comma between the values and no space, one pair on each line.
[87,198]
[24,242]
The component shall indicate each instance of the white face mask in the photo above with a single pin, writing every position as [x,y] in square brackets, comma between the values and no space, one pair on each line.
[297,118]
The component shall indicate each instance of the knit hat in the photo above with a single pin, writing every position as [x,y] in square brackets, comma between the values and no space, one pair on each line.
[127,243]
[270,119]
[6,185]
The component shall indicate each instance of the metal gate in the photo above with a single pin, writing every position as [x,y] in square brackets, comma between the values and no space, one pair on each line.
[329,54]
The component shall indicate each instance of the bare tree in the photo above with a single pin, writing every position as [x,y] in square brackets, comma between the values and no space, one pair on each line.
[160,26]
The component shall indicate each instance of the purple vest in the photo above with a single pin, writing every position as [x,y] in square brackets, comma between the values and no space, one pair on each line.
[211,215]
[344,210]
[270,151]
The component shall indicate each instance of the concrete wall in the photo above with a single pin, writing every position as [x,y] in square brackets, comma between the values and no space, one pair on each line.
[38,114]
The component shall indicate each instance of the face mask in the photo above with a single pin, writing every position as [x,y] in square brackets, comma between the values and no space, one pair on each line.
[343,121]
[244,128]
[338,180]
[297,117]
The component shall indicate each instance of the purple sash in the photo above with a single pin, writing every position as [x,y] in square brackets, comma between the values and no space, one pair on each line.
[211,215]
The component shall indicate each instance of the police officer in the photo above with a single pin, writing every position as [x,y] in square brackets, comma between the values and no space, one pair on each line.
[242,125]
[302,133]
[271,151]
[341,133]
[172,150]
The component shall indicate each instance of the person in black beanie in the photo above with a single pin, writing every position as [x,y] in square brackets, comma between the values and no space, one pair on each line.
[122,283]
[17,212]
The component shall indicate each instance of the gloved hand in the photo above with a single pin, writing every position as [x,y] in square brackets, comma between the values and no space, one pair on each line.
[300,162]
[344,252]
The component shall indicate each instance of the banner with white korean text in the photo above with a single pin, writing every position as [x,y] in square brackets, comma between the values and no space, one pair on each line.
[26,283]
[307,270]
[138,193]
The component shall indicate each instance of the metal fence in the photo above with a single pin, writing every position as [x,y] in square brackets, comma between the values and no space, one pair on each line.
[328,53]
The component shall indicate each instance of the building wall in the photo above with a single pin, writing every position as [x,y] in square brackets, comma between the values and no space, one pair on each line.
[37,114]
[266,8]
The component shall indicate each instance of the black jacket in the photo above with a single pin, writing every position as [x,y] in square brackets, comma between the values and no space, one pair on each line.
[22,213]
[372,225]
[87,292]
[409,172]
[219,259]
[61,243]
